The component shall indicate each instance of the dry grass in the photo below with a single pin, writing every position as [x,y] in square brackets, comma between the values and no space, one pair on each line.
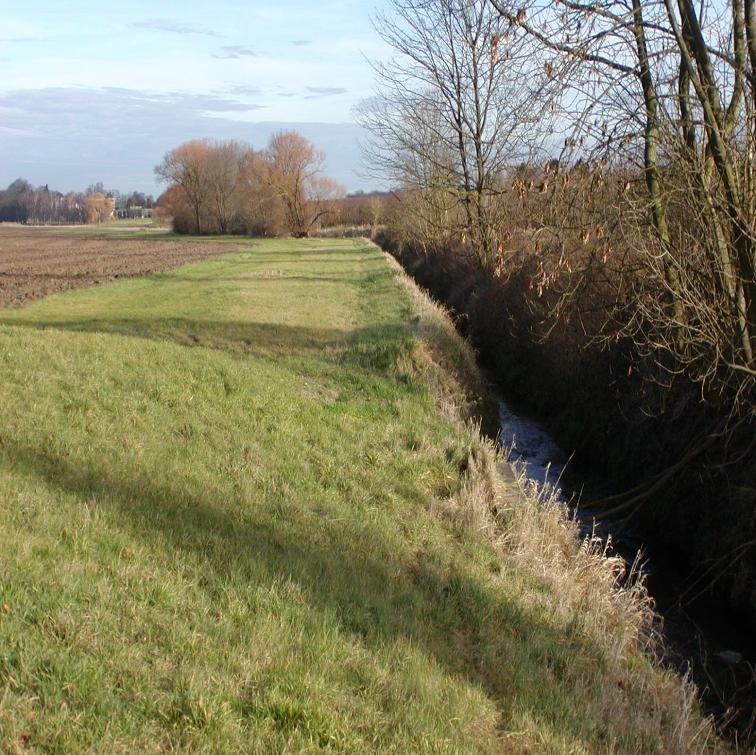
[587,590]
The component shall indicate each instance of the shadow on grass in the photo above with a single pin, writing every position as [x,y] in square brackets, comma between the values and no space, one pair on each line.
[374,348]
[322,257]
[259,277]
[471,629]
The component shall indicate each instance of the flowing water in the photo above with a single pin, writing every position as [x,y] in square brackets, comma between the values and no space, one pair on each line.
[533,451]
[715,648]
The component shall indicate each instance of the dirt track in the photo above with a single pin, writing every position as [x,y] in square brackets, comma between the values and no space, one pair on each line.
[36,262]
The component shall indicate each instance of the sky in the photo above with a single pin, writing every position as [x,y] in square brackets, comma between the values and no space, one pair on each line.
[99,92]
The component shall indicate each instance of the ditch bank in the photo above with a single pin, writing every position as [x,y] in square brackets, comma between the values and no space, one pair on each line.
[707,626]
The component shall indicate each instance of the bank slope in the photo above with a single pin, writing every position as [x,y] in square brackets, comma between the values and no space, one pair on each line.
[239,511]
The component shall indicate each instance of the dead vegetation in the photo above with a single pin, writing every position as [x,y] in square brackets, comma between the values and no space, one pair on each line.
[578,181]
[583,585]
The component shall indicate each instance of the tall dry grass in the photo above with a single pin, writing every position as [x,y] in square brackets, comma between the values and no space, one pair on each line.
[588,591]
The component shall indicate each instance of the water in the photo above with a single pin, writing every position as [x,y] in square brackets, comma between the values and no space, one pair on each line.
[533,451]
[715,647]
[532,448]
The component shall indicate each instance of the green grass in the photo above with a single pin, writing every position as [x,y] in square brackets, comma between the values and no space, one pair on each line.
[218,531]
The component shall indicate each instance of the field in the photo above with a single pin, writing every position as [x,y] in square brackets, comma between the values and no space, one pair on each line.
[233,518]
[36,262]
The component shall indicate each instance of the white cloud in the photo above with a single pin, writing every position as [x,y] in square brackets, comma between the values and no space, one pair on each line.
[165,25]
[116,135]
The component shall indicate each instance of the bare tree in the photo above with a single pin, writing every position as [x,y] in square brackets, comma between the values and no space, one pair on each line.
[187,167]
[98,208]
[448,116]
[224,173]
[660,85]
[293,167]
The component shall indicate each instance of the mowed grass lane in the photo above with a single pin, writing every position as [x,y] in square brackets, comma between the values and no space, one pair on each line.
[217,528]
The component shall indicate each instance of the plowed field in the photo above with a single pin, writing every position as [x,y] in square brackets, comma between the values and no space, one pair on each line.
[37,262]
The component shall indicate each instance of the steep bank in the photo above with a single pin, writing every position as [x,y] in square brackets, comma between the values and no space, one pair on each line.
[242,509]
[537,532]
[595,404]
[606,450]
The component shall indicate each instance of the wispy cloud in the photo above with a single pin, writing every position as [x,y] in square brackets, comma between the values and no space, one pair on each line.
[229,52]
[301,42]
[245,89]
[316,92]
[112,106]
[116,135]
[172,27]
[16,131]
[21,30]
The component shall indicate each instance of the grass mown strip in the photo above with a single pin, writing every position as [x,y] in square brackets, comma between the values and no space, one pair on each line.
[232,518]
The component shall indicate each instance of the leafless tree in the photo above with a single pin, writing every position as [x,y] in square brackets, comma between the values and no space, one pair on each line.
[449,115]
[98,208]
[224,172]
[186,167]
[669,88]
[293,167]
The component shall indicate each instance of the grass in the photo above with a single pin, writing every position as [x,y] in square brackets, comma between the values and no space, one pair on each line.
[240,510]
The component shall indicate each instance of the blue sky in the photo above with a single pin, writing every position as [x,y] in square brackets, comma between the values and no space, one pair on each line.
[98,92]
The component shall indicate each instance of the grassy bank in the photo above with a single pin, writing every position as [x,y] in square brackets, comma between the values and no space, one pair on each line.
[241,511]
[658,445]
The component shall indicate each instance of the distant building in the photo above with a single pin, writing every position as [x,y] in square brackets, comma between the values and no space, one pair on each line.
[133,213]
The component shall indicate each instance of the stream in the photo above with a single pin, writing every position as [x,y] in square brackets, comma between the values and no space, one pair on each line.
[712,645]
[533,451]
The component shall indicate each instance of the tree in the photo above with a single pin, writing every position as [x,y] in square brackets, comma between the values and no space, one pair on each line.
[138,199]
[260,208]
[448,116]
[173,205]
[669,88]
[13,201]
[213,179]
[292,167]
[187,168]
[98,208]
[224,172]
[96,188]
[227,187]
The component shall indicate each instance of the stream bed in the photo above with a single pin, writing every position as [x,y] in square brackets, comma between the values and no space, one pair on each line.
[533,451]
[715,648]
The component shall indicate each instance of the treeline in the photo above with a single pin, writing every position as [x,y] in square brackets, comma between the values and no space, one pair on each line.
[228,187]
[23,203]
[577,181]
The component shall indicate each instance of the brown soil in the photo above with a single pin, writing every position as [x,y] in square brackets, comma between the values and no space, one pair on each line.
[36,262]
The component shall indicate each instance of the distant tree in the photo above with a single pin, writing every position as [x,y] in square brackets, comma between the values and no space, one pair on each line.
[261,210]
[96,188]
[138,199]
[174,205]
[227,187]
[225,172]
[187,168]
[294,165]
[71,209]
[98,208]
[13,201]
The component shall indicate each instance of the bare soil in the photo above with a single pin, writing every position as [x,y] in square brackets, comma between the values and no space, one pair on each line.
[37,261]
